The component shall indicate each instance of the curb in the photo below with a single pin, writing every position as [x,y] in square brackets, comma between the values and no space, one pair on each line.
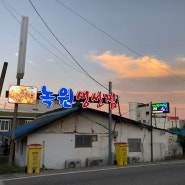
[1,182]
[81,169]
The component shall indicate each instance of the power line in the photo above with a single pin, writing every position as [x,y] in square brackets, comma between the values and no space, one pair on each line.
[68,64]
[9,9]
[7,6]
[53,53]
[114,39]
[98,28]
[57,39]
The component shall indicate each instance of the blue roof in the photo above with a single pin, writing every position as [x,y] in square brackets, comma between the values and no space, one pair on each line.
[177,131]
[50,117]
[23,129]
[41,120]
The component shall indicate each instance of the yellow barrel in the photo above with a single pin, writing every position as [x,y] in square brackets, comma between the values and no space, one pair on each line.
[33,160]
[121,153]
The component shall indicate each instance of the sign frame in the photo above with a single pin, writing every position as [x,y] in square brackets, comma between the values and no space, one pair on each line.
[160,108]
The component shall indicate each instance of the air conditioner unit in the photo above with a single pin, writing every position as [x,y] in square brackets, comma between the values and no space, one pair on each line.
[73,163]
[133,160]
[94,161]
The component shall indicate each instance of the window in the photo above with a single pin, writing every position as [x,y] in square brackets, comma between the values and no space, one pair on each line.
[144,121]
[5,125]
[134,145]
[28,121]
[84,141]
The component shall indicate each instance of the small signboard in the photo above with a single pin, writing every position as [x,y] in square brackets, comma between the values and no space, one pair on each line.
[65,97]
[160,107]
[22,94]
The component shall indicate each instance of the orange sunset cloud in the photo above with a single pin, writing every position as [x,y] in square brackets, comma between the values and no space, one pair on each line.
[129,67]
[144,79]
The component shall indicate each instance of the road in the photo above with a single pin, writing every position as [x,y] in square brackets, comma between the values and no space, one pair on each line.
[147,174]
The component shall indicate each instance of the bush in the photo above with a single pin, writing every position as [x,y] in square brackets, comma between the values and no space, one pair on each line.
[181,141]
[5,168]
[3,160]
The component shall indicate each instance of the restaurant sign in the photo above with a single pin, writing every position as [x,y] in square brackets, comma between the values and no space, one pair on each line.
[65,97]
[22,94]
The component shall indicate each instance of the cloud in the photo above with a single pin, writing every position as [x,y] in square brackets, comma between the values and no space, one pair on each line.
[31,62]
[16,54]
[50,60]
[144,79]
[129,67]
[181,60]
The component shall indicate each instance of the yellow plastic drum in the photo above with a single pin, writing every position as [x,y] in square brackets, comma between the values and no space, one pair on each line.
[121,153]
[34,155]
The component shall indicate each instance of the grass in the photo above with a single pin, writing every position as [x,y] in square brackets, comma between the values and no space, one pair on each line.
[5,168]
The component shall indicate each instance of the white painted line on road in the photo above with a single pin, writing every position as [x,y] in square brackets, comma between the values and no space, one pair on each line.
[1,182]
[95,170]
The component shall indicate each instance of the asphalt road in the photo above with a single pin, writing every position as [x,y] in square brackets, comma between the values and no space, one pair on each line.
[172,173]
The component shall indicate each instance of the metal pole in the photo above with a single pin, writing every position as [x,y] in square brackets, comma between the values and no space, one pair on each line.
[151,131]
[110,127]
[20,74]
[14,125]
[3,75]
[22,47]
[175,119]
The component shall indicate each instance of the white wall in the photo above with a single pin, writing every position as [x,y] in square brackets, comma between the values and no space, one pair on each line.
[158,120]
[164,143]
[20,153]
[56,148]
[61,147]
[58,140]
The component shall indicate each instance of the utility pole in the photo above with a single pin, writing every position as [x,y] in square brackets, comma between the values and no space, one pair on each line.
[175,118]
[20,74]
[14,125]
[3,73]
[151,126]
[110,127]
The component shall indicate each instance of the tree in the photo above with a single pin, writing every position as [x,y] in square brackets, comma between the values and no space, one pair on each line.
[181,141]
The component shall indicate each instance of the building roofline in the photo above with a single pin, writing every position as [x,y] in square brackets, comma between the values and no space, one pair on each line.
[51,116]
